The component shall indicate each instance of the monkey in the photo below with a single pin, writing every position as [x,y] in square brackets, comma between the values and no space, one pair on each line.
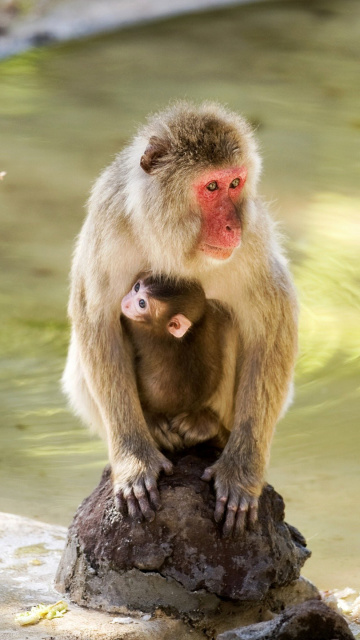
[178,339]
[181,200]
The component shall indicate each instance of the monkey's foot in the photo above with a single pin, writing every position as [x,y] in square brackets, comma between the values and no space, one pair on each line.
[162,433]
[196,427]
[136,492]
[236,506]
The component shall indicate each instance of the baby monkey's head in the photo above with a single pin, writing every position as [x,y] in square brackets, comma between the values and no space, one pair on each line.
[166,306]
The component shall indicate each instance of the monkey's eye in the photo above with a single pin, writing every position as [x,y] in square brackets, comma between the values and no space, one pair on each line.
[212,186]
[137,287]
[142,303]
[235,183]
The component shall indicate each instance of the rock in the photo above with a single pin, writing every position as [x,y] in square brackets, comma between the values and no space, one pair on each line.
[312,620]
[178,562]
[31,551]
[294,593]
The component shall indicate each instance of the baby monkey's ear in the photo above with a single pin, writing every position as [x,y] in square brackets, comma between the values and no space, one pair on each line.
[178,325]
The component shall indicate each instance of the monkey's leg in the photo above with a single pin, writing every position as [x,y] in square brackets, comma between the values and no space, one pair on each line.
[196,427]
[159,428]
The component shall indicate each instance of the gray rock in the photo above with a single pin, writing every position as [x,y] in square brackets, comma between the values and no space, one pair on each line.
[312,620]
[294,593]
[179,561]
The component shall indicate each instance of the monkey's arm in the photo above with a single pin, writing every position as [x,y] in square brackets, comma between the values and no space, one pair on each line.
[266,371]
[100,372]
[135,461]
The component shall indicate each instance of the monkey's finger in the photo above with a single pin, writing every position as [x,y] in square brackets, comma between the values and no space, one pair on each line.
[167,467]
[150,484]
[208,474]
[240,522]
[242,514]
[133,509]
[144,505]
[120,503]
[220,506]
[253,511]
[146,509]
[164,441]
[174,442]
[230,519]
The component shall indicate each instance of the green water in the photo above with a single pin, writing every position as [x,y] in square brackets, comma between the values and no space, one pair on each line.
[292,69]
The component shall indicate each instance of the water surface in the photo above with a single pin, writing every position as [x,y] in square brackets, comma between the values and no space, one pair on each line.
[292,69]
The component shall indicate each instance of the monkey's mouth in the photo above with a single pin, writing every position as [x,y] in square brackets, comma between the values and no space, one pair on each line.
[220,253]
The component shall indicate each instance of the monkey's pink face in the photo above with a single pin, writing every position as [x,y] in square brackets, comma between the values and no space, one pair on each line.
[218,192]
[135,305]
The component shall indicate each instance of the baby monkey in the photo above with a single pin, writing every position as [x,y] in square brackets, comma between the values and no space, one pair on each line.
[178,341]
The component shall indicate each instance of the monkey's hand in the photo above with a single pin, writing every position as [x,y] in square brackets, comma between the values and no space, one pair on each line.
[196,427]
[236,503]
[135,484]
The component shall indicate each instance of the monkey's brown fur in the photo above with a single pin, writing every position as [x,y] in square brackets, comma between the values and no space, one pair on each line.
[145,218]
[177,378]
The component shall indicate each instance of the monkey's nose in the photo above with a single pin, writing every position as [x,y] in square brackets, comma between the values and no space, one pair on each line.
[231,232]
[232,228]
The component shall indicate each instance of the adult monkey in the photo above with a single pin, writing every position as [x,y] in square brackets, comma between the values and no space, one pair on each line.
[181,200]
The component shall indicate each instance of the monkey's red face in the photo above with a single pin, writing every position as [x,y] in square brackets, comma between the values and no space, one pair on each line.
[218,192]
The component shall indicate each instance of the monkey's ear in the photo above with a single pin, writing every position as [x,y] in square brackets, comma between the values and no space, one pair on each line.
[178,325]
[155,150]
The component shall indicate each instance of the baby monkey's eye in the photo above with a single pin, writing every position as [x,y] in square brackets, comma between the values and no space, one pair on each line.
[142,303]
[235,183]
[212,186]
[137,287]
